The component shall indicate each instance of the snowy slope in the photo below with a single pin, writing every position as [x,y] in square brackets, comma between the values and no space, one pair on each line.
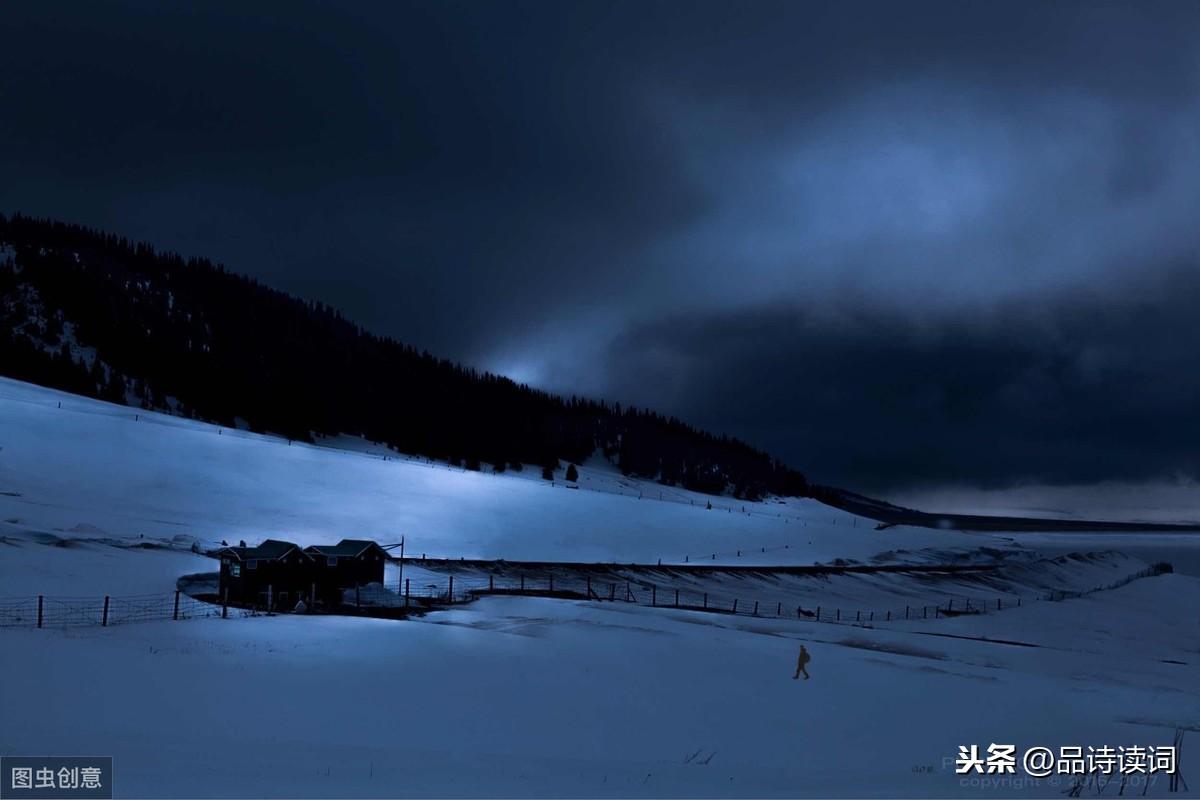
[520,697]
[90,467]
[524,696]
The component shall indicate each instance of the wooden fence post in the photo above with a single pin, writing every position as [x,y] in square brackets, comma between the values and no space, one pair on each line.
[357,597]
[450,593]
[312,598]
[406,593]
[838,615]
[628,593]
[858,616]
[706,599]
[612,591]
[818,613]
[589,587]
[756,608]
[968,604]
[175,614]
[735,605]
[653,594]
[999,603]
[950,605]
[104,619]
[491,583]
[889,615]
[906,612]
[677,598]
[39,596]
[225,603]
[1018,602]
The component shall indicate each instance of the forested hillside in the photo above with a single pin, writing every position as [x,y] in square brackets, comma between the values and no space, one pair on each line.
[95,314]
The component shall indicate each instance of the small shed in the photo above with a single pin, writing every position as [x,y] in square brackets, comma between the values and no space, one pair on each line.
[345,565]
[274,575]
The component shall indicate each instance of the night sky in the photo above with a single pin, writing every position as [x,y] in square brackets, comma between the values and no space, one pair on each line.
[896,244]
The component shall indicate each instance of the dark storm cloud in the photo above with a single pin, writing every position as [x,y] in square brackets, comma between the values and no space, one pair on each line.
[432,167]
[1075,389]
[721,199]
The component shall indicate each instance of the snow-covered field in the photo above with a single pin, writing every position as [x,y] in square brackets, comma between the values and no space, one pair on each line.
[91,469]
[526,696]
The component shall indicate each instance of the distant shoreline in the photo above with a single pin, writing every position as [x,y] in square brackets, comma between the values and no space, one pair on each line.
[888,515]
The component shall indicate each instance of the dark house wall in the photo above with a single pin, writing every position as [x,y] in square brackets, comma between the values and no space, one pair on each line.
[347,572]
[289,579]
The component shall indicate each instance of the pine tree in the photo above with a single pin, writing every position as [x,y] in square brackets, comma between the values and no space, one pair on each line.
[225,347]
[572,473]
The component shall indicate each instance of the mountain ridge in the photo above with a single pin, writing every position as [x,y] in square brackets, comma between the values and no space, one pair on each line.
[99,315]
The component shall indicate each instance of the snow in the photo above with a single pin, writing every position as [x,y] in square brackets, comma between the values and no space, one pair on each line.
[41,564]
[1172,501]
[512,696]
[517,697]
[129,472]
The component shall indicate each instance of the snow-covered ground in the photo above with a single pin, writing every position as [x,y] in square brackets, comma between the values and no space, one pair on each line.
[534,697]
[527,696]
[93,469]
[1174,501]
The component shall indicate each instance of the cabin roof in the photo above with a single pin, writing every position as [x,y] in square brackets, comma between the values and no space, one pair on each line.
[269,550]
[346,548]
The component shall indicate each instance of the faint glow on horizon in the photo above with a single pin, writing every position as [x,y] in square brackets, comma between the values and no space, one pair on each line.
[525,371]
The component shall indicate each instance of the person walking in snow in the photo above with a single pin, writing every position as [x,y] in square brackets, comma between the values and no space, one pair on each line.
[802,662]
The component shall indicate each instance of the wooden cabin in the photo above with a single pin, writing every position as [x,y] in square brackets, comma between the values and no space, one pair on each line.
[273,576]
[276,575]
[349,563]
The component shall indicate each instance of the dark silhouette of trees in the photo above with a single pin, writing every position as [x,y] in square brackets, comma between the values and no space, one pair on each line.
[572,473]
[95,314]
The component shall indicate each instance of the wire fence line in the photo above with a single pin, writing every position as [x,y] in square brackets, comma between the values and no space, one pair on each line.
[645,593]
[375,600]
[62,612]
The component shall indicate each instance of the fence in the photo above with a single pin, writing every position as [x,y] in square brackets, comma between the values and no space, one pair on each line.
[62,612]
[650,594]
[456,589]
[55,612]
